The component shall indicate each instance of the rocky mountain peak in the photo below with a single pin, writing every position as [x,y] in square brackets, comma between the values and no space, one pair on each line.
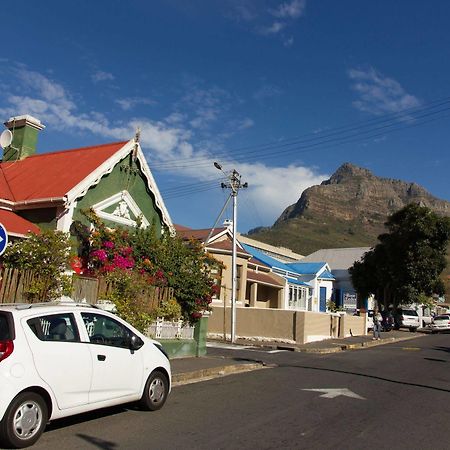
[348,172]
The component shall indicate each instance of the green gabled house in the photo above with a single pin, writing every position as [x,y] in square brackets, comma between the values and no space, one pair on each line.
[49,190]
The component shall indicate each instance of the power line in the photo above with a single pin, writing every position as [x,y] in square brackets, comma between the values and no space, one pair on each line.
[392,121]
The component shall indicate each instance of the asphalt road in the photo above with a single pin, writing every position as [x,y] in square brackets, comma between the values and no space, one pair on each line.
[402,401]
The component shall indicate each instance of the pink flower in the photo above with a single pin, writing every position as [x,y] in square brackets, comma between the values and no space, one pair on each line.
[108,244]
[123,263]
[127,251]
[101,255]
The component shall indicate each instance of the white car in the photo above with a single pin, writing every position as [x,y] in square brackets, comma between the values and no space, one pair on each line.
[57,360]
[406,318]
[440,323]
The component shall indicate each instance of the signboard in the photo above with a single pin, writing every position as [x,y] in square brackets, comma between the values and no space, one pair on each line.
[350,301]
[3,239]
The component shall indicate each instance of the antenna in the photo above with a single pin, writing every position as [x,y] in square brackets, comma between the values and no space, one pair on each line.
[6,139]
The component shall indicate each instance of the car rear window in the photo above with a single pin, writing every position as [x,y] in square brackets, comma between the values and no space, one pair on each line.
[442,318]
[5,331]
[57,327]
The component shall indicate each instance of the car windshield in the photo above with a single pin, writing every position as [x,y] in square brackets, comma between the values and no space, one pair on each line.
[442,318]
[409,312]
[4,328]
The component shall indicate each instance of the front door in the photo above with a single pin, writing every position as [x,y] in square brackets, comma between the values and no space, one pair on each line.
[323,299]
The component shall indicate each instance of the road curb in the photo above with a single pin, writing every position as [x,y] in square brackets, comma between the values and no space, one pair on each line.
[355,346]
[195,376]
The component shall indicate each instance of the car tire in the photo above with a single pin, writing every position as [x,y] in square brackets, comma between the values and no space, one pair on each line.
[413,329]
[24,421]
[155,392]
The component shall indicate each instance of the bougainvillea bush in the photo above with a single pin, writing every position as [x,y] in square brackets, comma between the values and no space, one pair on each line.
[164,261]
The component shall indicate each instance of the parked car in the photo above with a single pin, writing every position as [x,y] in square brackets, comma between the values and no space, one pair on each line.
[440,323]
[406,318]
[57,360]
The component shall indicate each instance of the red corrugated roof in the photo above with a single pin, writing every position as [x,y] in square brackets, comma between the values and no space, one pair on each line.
[51,174]
[15,224]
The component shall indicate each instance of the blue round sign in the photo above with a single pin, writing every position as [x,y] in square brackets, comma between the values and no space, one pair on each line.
[3,239]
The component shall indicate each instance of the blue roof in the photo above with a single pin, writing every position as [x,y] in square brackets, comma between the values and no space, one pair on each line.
[295,281]
[327,275]
[266,259]
[306,268]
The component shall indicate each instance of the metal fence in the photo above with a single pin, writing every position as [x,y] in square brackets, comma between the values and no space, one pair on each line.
[164,329]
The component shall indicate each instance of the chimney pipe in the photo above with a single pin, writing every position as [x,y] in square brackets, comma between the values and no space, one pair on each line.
[25,131]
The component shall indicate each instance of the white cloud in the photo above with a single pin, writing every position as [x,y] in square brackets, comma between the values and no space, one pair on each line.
[275,28]
[267,91]
[277,187]
[290,10]
[378,94]
[170,144]
[267,18]
[130,102]
[100,75]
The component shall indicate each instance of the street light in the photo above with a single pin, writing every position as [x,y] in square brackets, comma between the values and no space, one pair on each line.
[234,183]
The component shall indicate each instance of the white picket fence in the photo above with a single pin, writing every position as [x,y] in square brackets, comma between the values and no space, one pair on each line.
[164,329]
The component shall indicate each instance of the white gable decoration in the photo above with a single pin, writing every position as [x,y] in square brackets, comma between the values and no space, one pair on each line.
[125,206]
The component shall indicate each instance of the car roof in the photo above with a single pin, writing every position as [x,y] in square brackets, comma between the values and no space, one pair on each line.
[26,309]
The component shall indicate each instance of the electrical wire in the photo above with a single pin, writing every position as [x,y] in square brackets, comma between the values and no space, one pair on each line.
[389,123]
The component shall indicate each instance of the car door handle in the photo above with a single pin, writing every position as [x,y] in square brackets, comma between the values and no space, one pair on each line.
[101,357]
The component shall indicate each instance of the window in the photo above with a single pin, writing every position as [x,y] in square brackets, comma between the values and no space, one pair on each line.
[104,330]
[57,327]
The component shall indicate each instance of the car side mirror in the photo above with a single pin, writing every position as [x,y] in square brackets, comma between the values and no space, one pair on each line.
[135,342]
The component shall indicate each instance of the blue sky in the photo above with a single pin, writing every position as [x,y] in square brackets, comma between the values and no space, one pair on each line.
[282,91]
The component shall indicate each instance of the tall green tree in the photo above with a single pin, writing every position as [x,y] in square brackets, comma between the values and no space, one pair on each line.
[407,261]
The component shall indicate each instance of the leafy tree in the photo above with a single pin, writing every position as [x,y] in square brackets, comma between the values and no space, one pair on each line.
[47,255]
[407,261]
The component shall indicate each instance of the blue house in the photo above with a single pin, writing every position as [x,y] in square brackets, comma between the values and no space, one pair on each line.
[308,285]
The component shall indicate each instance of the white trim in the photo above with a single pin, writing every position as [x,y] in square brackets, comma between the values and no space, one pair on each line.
[65,218]
[117,198]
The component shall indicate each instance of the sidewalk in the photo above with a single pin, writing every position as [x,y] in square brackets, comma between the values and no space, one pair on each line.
[192,370]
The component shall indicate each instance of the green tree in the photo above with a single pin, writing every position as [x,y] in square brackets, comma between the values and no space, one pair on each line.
[407,261]
[47,255]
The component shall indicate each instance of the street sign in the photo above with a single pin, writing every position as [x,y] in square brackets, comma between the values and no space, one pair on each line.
[333,393]
[3,239]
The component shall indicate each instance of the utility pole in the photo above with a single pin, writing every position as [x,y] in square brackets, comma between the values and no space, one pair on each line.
[234,183]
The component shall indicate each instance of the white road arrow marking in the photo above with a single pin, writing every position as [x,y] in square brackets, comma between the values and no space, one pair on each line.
[333,393]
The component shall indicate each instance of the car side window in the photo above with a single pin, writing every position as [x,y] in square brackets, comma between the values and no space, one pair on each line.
[105,330]
[55,327]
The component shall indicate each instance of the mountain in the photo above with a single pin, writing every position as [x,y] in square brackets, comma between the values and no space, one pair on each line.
[348,210]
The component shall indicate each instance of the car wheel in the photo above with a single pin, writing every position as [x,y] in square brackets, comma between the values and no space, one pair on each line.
[433,332]
[24,421]
[413,330]
[155,391]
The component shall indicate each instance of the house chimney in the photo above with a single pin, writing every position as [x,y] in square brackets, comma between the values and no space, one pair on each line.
[25,131]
